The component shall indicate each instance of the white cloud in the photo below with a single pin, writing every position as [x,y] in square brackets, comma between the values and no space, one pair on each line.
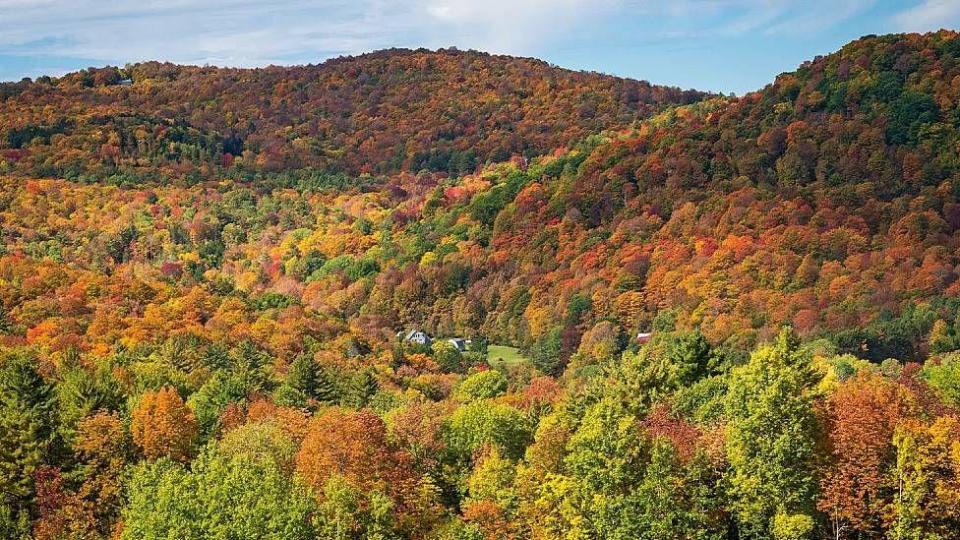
[250,32]
[929,15]
[771,17]
[236,32]
[260,32]
[513,25]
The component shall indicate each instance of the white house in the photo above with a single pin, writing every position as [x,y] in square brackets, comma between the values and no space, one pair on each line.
[416,336]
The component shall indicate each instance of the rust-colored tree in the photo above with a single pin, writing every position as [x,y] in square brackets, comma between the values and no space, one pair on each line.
[353,445]
[163,426]
[861,416]
[61,512]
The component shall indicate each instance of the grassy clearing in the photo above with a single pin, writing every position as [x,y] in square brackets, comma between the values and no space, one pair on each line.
[503,356]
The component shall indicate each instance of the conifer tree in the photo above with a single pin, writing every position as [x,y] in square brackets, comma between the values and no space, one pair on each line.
[303,375]
[362,387]
[325,390]
[27,426]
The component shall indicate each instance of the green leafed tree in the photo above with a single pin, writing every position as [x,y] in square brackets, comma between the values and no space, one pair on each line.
[447,357]
[606,458]
[239,491]
[943,374]
[482,385]
[486,422]
[678,500]
[770,437]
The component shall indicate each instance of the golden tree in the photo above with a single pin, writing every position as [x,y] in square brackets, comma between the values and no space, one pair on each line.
[164,426]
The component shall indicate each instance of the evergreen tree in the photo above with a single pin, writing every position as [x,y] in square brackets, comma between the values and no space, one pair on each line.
[689,355]
[214,396]
[325,390]
[248,362]
[13,526]
[27,426]
[362,387]
[302,375]
[288,396]
[547,352]
[81,393]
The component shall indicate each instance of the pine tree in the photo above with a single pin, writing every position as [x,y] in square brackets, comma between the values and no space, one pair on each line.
[362,387]
[325,390]
[81,393]
[303,375]
[15,526]
[27,426]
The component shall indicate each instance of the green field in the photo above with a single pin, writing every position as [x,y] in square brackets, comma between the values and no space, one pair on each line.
[501,355]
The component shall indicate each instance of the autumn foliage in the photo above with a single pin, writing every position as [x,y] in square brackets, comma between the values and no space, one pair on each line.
[163,426]
[654,313]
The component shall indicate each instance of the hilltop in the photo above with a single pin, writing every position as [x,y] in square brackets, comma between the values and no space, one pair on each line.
[383,112]
[203,294]
[825,200]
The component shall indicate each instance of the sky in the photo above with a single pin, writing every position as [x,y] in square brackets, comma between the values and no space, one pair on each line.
[720,45]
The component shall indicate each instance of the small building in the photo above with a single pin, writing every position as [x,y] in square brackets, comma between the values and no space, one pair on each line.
[644,337]
[418,337]
[461,344]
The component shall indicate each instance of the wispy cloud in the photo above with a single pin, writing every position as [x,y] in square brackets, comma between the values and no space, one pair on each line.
[236,32]
[771,17]
[44,36]
[257,32]
[248,32]
[929,15]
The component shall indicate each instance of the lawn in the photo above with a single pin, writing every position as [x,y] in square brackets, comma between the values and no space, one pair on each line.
[501,355]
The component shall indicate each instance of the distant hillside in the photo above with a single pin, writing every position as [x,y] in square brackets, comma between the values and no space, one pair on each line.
[829,200]
[381,112]
[197,355]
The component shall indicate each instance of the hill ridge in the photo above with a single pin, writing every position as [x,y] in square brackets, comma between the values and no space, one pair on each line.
[378,113]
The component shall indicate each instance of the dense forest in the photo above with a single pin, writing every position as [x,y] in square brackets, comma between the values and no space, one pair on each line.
[383,112]
[208,276]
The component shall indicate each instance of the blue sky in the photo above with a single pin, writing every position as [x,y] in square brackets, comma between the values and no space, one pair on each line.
[720,45]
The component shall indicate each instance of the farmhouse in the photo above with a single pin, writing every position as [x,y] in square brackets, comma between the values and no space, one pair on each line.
[415,336]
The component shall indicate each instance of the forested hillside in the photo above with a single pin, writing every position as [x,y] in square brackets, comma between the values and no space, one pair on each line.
[205,339]
[378,113]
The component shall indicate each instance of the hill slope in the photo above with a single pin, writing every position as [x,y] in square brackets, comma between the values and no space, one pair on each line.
[829,200]
[246,330]
[381,112]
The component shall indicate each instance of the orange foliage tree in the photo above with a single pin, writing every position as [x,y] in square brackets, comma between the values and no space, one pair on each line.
[163,426]
[353,445]
[861,416]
